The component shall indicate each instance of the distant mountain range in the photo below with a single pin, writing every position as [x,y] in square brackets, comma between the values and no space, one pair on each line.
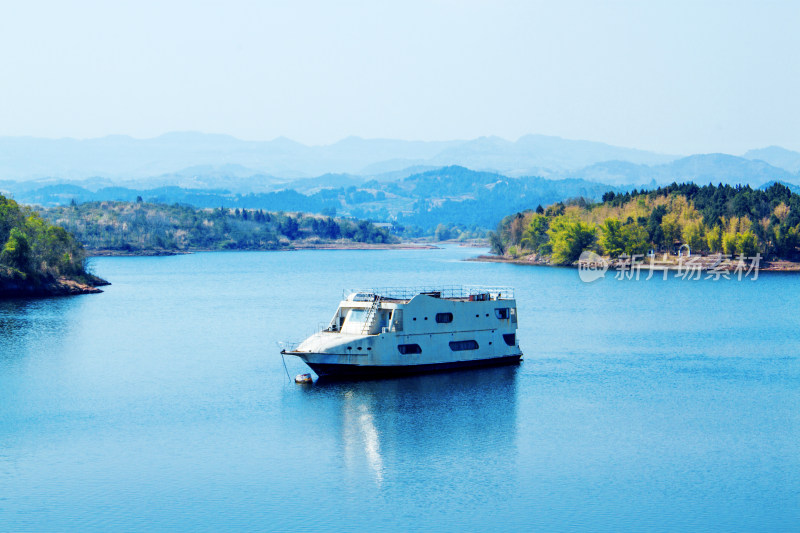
[452,195]
[777,157]
[473,183]
[198,160]
[122,157]
[701,169]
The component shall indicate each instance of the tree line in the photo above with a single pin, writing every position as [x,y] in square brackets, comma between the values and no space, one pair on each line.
[146,227]
[734,220]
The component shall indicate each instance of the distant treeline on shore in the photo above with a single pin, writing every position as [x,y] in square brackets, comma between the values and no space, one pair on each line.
[139,226]
[733,220]
[466,202]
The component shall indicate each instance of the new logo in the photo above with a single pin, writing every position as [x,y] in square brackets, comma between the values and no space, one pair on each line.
[591,266]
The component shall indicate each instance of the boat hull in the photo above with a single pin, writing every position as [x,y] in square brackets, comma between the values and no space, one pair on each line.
[349,371]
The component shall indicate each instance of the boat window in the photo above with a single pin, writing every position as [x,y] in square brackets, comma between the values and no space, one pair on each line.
[354,322]
[383,319]
[406,349]
[510,338]
[444,318]
[397,320]
[458,346]
[502,313]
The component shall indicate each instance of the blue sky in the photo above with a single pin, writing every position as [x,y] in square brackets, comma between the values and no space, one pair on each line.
[676,77]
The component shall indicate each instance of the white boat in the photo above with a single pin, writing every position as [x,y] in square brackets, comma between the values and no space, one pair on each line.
[393,331]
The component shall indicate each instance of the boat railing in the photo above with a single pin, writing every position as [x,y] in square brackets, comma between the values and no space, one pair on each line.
[288,346]
[439,291]
[291,346]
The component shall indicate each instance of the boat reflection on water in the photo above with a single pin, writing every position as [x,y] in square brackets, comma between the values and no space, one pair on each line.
[359,433]
[389,427]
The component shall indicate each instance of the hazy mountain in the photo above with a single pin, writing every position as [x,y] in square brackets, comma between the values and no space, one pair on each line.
[232,177]
[123,157]
[14,187]
[716,168]
[212,162]
[326,181]
[617,173]
[452,195]
[395,166]
[792,187]
[777,157]
[539,155]
[355,148]
[701,169]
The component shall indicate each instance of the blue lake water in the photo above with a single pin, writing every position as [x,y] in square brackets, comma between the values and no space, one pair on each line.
[163,404]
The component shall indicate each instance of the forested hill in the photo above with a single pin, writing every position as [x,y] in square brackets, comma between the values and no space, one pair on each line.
[141,227]
[453,195]
[710,219]
[38,258]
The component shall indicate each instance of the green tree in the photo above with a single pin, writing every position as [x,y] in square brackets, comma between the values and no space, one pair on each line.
[442,233]
[535,235]
[516,228]
[747,244]
[635,239]
[496,243]
[569,238]
[714,239]
[671,229]
[611,239]
[730,242]
[17,251]
[693,234]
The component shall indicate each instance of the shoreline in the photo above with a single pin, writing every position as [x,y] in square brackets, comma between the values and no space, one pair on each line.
[290,248]
[765,266]
[363,246]
[56,287]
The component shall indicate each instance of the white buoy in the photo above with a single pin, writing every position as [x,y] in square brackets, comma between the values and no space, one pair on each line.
[303,378]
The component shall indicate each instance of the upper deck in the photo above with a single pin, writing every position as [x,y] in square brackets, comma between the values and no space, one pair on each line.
[456,293]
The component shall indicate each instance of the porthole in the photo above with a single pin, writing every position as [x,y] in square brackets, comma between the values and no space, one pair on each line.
[407,349]
[444,318]
[458,346]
